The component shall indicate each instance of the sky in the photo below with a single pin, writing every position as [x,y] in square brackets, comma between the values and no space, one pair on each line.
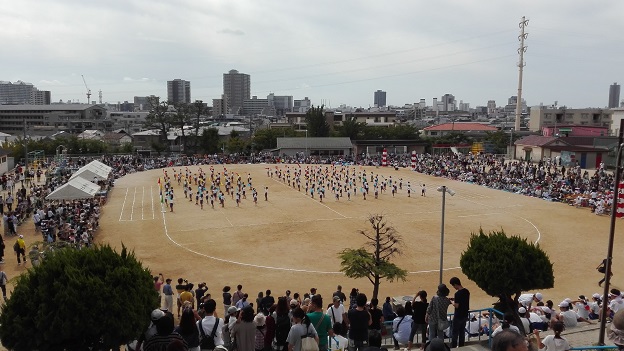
[333,52]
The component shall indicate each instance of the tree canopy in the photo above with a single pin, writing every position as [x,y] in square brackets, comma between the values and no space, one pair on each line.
[383,244]
[79,299]
[316,123]
[505,266]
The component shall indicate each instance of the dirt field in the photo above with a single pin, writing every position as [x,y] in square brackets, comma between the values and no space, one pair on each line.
[292,241]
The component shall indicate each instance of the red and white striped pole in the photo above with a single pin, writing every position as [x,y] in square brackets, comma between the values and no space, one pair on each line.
[384,158]
[413,160]
[619,197]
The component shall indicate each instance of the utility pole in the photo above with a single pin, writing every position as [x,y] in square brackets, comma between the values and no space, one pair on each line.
[521,50]
[25,147]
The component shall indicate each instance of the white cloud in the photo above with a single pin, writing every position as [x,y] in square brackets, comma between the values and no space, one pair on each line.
[231,31]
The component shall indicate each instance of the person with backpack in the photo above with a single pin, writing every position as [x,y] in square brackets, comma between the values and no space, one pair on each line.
[20,249]
[301,329]
[210,327]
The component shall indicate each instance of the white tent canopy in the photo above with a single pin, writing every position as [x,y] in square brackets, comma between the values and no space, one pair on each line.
[100,165]
[76,188]
[91,171]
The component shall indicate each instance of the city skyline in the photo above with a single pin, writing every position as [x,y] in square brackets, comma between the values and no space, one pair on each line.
[333,52]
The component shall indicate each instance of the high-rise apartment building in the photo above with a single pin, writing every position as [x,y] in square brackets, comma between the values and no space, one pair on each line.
[281,103]
[18,93]
[179,91]
[448,102]
[237,88]
[40,97]
[614,95]
[302,106]
[380,98]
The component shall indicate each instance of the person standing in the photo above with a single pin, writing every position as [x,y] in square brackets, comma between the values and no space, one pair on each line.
[20,249]
[359,319]
[2,247]
[461,302]
[209,321]
[436,313]
[168,292]
[3,283]
[337,312]
[419,306]
[602,268]
[320,321]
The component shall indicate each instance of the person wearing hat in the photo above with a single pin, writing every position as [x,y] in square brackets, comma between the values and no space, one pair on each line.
[569,318]
[151,329]
[615,332]
[437,311]
[527,299]
[230,321]
[337,313]
[20,249]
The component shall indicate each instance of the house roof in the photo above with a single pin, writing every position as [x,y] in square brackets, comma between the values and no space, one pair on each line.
[55,107]
[462,127]
[536,140]
[115,136]
[314,143]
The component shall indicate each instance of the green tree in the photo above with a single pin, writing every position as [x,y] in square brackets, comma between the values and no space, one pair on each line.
[316,123]
[500,140]
[85,299]
[404,132]
[209,141]
[351,128]
[505,266]
[126,148]
[159,116]
[372,261]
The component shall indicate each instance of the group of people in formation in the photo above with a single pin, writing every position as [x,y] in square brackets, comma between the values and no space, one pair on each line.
[209,188]
[317,181]
[339,181]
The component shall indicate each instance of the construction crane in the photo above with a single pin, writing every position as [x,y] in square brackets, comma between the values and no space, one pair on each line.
[88,90]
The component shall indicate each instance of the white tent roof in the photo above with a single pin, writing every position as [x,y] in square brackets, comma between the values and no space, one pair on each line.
[76,188]
[100,165]
[91,171]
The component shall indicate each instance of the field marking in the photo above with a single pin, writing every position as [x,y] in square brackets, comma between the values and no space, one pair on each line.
[152,197]
[314,271]
[133,201]
[306,195]
[123,205]
[231,225]
[142,204]
[480,214]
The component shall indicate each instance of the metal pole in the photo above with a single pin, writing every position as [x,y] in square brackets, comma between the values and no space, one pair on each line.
[442,232]
[616,180]
[25,148]
[521,65]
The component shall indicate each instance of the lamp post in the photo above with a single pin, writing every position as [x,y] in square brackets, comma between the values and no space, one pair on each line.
[443,189]
[614,206]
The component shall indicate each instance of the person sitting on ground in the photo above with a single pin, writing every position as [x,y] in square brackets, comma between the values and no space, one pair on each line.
[569,318]
[507,324]
[553,342]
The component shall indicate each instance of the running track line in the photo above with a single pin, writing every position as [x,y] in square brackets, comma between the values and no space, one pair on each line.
[124,204]
[306,195]
[306,270]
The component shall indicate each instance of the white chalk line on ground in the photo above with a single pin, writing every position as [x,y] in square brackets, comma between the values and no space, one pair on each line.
[123,204]
[306,195]
[133,201]
[152,197]
[306,270]
[480,214]
[143,204]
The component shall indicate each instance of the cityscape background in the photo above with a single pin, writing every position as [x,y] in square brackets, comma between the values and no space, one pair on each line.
[335,53]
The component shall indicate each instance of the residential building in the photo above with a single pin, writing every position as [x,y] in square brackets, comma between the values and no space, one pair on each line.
[614,95]
[255,106]
[142,103]
[40,97]
[130,122]
[58,117]
[380,98]
[220,106]
[125,106]
[567,151]
[179,91]
[281,103]
[117,138]
[547,116]
[237,88]
[477,129]
[448,102]
[572,130]
[16,93]
[510,108]
[302,106]
[491,107]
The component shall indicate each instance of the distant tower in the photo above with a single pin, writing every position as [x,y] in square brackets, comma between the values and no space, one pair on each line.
[614,95]
[380,98]
[237,88]
[179,91]
[521,64]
